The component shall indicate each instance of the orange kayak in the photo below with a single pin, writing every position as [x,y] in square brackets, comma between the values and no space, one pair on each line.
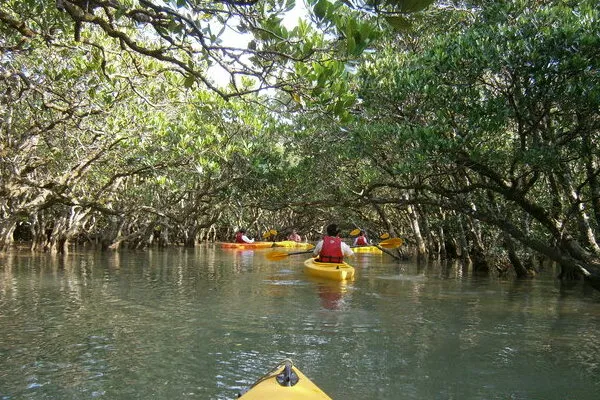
[247,246]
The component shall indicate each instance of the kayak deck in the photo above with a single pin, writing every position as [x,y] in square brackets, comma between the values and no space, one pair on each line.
[284,382]
[367,249]
[334,271]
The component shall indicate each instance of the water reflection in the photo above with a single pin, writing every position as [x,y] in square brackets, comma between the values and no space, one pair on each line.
[333,295]
[242,259]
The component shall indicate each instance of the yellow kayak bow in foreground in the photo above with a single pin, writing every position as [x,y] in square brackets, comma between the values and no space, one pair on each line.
[284,382]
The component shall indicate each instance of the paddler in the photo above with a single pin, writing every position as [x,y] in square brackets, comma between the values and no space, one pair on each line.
[240,237]
[331,249]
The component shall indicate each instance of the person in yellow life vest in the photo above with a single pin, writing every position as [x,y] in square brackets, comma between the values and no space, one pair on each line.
[331,248]
[294,236]
[361,240]
[240,237]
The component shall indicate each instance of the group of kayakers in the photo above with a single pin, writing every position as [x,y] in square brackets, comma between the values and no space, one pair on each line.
[330,248]
[240,237]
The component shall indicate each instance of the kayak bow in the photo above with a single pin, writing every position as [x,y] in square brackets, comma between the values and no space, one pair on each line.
[284,382]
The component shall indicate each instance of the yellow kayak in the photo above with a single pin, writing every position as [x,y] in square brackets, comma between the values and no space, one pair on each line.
[367,249]
[284,382]
[333,271]
[291,243]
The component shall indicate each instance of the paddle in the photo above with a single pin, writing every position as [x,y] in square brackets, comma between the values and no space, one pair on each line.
[269,233]
[355,232]
[280,255]
[390,243]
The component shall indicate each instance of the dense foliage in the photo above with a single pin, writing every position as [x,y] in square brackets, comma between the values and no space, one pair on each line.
[469,128]
[497,125]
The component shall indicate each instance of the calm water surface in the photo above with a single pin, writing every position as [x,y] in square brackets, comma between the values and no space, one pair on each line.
[205,323]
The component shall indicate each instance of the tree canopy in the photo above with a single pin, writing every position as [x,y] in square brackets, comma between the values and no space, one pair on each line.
[469,128]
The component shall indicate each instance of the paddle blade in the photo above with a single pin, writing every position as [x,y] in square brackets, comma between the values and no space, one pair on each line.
[266,234]
[391,243]
[384,236]
[280,255]
[355,232]
[277,255]
[273,232]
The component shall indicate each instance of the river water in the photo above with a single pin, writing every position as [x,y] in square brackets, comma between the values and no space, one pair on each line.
[205,323]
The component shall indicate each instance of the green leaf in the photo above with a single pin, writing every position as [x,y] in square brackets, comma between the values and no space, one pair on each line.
[289,5]
[189,81]
[351,45]
[321,9]
[399,23]
[409,6]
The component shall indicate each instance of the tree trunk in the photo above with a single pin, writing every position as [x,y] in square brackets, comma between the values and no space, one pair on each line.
[416,229]
[40,232]
[585,230]
[464,243]
[112,237]
[477,252]
[58,240]
[442,244]
[520,269]
[66,228]
[7,228]
[189,240]
[384,218]
[430,241]
[592,167]
[163,237]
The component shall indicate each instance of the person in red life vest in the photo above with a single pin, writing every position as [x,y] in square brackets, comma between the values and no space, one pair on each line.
[240,237]
[361,240]
[331,248]
[294,236]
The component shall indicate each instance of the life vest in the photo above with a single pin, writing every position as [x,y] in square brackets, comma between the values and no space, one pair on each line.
[331,252]
[238,237]
[361,241]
